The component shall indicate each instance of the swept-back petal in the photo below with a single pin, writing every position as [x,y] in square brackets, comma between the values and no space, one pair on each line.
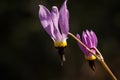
[45,19]
[86,39]
[64,19]
[78,36]
[94,38]
[55,17]
[81,47]
[90,37]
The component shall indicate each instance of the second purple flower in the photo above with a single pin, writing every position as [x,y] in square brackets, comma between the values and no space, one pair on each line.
[89,38]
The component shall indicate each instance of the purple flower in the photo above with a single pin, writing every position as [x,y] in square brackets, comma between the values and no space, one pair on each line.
[55,23]
[89,38]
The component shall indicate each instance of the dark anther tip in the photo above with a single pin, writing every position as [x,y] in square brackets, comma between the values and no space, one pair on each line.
[92,64]
[62,54]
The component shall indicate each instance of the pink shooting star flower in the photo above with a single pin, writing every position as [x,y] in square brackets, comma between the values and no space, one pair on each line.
[89,38]
[56,24]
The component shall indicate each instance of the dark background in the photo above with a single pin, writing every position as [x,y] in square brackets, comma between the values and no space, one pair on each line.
[27,52]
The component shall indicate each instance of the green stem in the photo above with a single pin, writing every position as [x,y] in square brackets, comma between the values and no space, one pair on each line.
[98,56]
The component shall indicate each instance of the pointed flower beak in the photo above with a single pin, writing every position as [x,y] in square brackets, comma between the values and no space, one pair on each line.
[55,23]
[89,38]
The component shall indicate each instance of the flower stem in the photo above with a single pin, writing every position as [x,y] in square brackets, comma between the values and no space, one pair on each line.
[98,56]
[106,66]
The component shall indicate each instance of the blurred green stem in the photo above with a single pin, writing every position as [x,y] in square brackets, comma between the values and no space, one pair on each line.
[98,56]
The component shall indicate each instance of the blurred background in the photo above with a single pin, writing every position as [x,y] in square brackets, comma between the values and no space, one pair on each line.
[27,52]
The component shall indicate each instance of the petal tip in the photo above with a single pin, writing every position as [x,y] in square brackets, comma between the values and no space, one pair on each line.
[78,36]
[40,5]
[55,9]
[54,6]
[83,33]
[66,1]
